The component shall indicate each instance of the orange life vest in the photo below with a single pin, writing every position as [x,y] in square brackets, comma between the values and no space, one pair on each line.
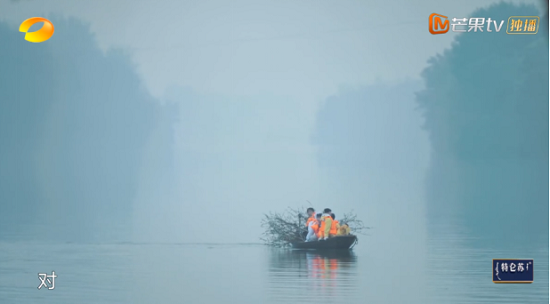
[315,227]
[333,229]
[320,232]
[311,218]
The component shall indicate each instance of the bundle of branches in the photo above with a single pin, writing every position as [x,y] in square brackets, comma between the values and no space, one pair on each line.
[289,226]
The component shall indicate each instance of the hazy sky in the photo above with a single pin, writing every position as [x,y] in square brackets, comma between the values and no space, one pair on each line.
[308,48]
[250,78]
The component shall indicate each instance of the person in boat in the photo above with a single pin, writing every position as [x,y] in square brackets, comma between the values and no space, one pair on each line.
[319,232]
[326,224]
[313,229]
[311,216]
[334,226]
[318,217]
[343,229]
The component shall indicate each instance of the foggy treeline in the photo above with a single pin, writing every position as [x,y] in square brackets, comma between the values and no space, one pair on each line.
[81,139]
[485,105]
[75,125]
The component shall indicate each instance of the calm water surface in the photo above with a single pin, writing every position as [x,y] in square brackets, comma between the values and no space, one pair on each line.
[444,269]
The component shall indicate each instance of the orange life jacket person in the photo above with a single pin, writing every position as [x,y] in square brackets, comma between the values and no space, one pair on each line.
[326,224]
[334,226]
[311,216]
[319,232]
[313,229]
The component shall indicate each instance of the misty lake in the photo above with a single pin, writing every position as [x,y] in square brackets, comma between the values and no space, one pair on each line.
[123,143]
[447,268]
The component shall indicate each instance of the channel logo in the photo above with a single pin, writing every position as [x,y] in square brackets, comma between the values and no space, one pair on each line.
[42,34]
[439,24]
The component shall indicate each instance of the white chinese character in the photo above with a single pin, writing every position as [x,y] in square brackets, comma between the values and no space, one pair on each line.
[512,267]
[497,28]
[520,267]
[476,23]
[458,22]
[45,281]
[504,267]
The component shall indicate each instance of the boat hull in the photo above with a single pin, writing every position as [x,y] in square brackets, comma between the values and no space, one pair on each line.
[338,242]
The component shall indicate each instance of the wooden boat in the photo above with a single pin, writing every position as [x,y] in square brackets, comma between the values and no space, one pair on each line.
[337,242]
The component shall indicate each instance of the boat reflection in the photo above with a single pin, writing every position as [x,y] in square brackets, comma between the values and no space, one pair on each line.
[298,274]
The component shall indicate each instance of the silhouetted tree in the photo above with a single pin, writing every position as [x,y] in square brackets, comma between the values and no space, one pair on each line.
[74,122]
[485,104]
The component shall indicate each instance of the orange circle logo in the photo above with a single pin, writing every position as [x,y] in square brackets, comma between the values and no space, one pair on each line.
[42,34]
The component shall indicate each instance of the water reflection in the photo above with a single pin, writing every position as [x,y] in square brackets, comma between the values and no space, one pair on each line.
[311,276]
[459,269]
[86,273]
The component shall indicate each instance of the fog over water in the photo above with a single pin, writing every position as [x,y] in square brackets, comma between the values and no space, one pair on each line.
[144,141]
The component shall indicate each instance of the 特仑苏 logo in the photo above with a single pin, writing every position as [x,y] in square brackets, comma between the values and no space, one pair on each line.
[513,270]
